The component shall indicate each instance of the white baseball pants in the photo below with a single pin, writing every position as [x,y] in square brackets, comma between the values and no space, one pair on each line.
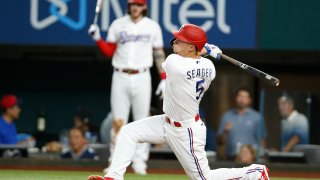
[187,142]
[132,91]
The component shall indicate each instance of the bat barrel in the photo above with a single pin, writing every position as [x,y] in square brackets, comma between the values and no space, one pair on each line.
[97,11]
[253,71]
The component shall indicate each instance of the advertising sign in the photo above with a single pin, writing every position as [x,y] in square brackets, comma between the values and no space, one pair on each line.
[229,23]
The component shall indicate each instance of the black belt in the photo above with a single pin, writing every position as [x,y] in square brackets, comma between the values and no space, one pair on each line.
[130,71]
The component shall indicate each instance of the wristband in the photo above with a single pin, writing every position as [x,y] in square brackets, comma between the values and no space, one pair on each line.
[207,48]
[163,75]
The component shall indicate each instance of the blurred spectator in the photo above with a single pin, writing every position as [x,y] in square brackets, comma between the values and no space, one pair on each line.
[26,140]
[294,125]
[11,112]
[52,147]
[78,148]
[246,155]
[241,125]
[82,121]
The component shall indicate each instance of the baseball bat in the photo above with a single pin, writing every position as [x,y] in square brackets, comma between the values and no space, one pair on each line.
[251,70]
[97,11]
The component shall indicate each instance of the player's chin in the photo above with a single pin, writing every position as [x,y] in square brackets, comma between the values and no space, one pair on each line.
[174,49]
[135,13]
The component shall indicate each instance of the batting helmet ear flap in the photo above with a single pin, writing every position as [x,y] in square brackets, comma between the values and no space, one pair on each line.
[172,41]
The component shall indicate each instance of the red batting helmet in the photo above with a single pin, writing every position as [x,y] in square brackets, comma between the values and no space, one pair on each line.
[8,101]
[192,34]
[137,1]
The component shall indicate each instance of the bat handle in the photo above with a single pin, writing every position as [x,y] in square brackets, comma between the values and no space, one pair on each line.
[95,20]
[95,23]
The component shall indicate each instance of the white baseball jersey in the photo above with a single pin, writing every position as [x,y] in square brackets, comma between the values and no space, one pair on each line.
[191,76]
[135,42]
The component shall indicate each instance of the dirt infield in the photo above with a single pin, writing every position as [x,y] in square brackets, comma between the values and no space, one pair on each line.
[155,171]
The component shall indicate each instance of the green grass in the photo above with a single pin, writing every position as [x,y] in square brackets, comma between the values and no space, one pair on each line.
[70,175]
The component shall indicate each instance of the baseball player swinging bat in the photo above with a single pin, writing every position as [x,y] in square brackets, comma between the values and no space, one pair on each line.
[251,70]
[188,76]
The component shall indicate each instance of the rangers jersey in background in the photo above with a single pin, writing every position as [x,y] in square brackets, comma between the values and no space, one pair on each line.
[135,42]
[134,52]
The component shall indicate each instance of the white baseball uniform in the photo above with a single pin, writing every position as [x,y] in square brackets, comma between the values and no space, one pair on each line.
[135,43]
[181,128]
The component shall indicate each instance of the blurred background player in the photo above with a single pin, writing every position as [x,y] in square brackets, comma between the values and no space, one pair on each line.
[131,42]
[294,125]
[11,112]
[8,133]
[241,125]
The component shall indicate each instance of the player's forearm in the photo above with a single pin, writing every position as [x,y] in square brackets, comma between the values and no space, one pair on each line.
[291,143]
[106,48]
[160,57]
[203,52]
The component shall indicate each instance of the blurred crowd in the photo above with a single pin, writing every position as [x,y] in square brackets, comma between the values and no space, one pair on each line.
[241,135]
